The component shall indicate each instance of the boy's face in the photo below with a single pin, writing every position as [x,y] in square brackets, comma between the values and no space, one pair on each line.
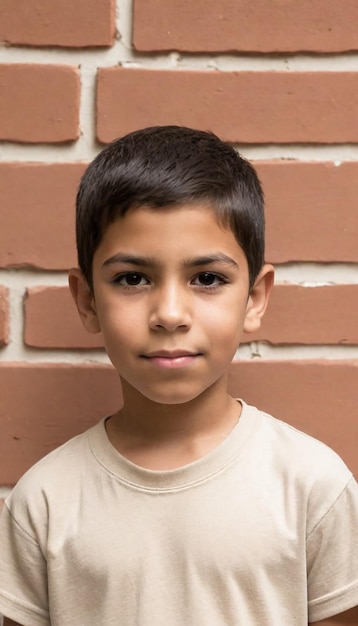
[171,299]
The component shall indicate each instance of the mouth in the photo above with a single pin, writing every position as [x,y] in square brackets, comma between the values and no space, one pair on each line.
[167,359]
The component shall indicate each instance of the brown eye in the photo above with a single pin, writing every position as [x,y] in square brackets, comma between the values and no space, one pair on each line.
[207,279]
[131,279]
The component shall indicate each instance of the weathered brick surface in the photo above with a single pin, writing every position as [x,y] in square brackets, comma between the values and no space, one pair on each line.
[296,315]
[66,23]
[245,26]
[310,315]
[4,315]
[42,405]
[311,211]
[39,103]
[37,216]
[52,321]
[311,107]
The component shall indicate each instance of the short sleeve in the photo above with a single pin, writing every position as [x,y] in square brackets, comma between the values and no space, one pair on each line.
[23,578]
[332,558]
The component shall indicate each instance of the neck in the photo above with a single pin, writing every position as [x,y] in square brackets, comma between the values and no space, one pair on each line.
[161,436]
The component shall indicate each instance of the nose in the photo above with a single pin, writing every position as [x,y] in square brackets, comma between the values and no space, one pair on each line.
[170,309]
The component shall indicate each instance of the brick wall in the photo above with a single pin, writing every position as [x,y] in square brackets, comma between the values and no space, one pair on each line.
[280,81]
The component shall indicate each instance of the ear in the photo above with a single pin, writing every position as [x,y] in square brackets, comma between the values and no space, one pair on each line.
[258,299]
[84,300]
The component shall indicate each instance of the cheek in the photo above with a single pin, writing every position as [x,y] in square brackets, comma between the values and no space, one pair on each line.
[227,318]
[116,315]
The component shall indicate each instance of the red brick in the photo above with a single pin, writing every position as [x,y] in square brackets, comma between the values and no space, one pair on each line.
[39,103]
[66,23]
[311,211]
[296,315]
[244,107]
[4,315]
[38,217]
[245,26]
[52,321]
[310,315]
[42,405]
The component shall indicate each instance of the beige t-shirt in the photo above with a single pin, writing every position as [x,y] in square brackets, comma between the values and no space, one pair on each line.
[260,532]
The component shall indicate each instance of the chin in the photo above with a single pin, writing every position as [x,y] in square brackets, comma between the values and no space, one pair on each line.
[173,398]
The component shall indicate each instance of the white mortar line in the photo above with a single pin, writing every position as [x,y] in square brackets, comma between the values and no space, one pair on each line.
[294,352]
[15,278]
[313,274]
[122,52]
[86,148]
[21,354]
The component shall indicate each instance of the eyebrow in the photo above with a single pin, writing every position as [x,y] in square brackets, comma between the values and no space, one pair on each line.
[217,257]
[129,259]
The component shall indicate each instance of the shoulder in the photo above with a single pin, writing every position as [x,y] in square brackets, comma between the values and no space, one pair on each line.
[315,472]
[294,446]
[68,454]
[53,477]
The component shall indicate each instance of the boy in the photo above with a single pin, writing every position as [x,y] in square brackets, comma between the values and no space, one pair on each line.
[187,507]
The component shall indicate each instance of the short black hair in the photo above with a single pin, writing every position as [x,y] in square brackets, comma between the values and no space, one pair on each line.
[164,166]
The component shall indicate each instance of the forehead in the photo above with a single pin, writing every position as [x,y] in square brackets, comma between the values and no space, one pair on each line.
[191,223]
[169,236]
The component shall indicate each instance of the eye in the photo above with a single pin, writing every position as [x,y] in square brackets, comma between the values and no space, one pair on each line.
[209,279]
[131,279]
